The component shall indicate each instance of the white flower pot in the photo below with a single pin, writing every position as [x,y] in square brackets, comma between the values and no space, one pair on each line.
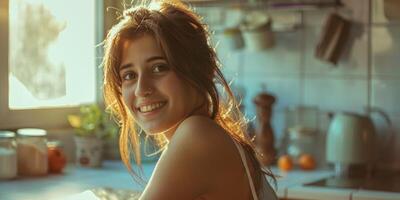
[89,151]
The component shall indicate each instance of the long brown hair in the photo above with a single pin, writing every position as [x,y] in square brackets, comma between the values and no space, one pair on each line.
[188,50]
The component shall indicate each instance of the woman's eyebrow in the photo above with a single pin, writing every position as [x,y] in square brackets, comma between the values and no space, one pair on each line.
[148,60]
[124,66]
[155,58]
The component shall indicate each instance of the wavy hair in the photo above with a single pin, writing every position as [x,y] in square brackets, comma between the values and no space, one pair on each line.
[186,44]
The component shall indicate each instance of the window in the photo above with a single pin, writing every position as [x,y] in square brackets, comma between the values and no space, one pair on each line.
[49,55]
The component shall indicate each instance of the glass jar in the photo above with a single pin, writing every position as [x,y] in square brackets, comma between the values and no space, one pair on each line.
[56,156]
[8,155]
[301,140]
[297,118]
[32,152]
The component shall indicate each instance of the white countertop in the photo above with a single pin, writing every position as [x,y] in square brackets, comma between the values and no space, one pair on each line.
[293,184]
[113,174]
[297,177]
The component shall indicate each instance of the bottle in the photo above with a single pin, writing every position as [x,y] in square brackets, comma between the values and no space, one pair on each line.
[32,152]
[8,155]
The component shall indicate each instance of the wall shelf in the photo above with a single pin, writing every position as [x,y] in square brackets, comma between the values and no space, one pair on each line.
[267,4]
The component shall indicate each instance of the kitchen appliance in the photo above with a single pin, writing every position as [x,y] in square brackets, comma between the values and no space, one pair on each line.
[351,148]
[351,143]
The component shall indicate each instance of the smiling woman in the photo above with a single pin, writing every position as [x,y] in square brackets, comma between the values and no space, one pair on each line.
[42,74]
[161,76]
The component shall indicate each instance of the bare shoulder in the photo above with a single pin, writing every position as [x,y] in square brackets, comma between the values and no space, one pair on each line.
[198,121]
[207,142]
[200,158]
[198,127]
[202,134]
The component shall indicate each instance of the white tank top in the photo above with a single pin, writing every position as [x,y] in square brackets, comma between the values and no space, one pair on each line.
[267,193]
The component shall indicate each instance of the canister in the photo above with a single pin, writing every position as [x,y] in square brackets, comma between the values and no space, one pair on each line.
[8,155]
[32,152]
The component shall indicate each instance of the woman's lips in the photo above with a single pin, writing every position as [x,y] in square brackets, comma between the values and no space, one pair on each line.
[150,110]
[151,107]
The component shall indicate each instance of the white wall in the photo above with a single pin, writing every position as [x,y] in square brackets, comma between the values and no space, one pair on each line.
[364,76]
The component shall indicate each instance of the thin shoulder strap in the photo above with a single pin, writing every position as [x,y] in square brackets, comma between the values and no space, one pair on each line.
[243,157]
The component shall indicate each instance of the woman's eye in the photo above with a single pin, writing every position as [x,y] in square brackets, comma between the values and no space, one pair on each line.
[128,76]
[160,68]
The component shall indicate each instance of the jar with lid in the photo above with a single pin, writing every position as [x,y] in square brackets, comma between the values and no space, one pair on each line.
[32,152]
[301,140]
[56,156]
[8,155]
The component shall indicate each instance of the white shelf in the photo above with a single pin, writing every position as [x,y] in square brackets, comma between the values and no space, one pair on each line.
[269,5]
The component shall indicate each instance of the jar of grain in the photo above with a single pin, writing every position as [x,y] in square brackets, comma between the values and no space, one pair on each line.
[32,152]
[8,155]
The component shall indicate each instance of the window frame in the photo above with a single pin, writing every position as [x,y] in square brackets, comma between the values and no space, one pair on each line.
[47,118]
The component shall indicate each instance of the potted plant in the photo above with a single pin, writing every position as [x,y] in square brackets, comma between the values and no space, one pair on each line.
[92,127]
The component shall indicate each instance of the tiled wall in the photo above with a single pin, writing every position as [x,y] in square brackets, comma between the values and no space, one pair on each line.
[364,76]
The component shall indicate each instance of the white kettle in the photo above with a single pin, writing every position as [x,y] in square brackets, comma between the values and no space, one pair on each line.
[350,139]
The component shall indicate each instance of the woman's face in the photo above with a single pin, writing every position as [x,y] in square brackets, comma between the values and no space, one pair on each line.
[157,98]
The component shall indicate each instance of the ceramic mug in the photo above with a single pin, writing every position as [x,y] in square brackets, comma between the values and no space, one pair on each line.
[257,32]
[233,38]
[392,9]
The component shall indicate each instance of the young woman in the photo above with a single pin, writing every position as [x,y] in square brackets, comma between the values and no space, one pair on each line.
[161,76]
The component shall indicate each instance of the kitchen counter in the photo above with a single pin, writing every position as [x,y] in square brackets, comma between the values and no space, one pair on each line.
[113,177]
[113,174]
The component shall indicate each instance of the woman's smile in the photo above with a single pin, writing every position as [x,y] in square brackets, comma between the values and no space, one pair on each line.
[150,109]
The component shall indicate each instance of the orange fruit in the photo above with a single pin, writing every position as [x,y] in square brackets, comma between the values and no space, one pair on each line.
[285,163]
[307,162]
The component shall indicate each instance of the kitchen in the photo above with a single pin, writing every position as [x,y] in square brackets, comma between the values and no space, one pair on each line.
[308,90]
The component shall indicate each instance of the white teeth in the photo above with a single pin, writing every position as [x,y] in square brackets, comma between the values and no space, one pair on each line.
[149,108]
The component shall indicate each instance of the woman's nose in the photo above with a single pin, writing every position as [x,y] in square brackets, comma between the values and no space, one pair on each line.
[144,87]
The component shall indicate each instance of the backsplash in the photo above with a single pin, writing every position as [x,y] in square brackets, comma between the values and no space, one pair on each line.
[367,74]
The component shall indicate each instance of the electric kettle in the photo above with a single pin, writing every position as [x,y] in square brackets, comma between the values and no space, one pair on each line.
[351,140]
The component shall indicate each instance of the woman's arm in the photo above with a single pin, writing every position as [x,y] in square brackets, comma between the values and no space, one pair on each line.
[189,166]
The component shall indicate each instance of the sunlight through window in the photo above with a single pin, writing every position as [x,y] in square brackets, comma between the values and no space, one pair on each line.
[52,60]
